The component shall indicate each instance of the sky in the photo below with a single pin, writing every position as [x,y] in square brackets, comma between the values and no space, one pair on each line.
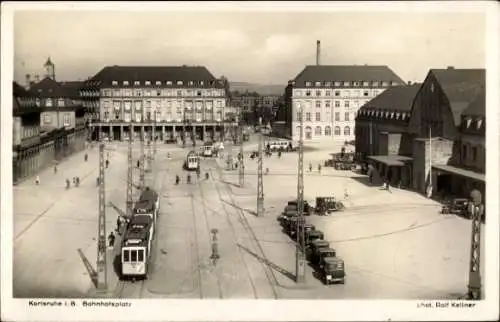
[258,47]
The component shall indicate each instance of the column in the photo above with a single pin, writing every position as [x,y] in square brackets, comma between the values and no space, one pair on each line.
[142,132]
[163,133]
[204,135]
[121,132]
[174,134]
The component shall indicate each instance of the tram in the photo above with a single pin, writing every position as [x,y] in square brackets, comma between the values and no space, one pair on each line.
[148,204]
[192,162]
[136,247]
[208,149]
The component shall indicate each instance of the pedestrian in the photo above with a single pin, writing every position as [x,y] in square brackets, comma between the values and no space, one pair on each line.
[37,180]
[138,163]
[111,239]
[346,194]
[55,168]
[319,168]
[107,163]
[97,182]
[74,180]
[86,157]
[310,167]
[68,184]
[267,170]
[198,173]
[206,176]
[279,154]
[177,179]
[77,181]
[387,185]
[188,178]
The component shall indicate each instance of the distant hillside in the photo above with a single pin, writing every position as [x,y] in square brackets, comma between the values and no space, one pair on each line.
[262,89]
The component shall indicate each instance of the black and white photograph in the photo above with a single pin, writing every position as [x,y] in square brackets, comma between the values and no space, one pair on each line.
[161,160]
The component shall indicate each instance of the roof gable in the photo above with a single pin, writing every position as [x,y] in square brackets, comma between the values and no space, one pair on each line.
[48,87]
[343,73]
[19,91]
[397,98]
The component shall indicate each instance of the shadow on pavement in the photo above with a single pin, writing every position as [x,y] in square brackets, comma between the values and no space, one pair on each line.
[269,263]
[92,272]
[117,265]
[251,212]
[365,180]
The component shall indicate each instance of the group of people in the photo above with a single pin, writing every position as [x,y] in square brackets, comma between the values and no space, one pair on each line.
[188,177]
[311,167]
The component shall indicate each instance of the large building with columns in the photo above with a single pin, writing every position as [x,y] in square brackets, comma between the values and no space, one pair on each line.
[330,97]
[167,102]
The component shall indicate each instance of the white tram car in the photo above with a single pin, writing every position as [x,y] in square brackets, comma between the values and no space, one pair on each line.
[192,162]
[137,239]
[208,149]
[136,247]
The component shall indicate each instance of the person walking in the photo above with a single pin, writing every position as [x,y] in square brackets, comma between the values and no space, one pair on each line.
[319,168]
[310,167]
[86,157]
[37,180]
[111,239]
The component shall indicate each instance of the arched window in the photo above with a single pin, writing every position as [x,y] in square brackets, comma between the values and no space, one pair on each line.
[347,131]
[317,130]
[337,130]
[328,130]
[308,133]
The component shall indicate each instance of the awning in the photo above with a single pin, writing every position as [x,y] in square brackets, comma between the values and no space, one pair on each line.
[461,172]
[391,160]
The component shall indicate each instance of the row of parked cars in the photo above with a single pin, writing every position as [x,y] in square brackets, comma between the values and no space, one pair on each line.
[328,266]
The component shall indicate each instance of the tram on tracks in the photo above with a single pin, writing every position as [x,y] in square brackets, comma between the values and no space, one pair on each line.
[136,247]
[208,149]
[192,162]
[138,236]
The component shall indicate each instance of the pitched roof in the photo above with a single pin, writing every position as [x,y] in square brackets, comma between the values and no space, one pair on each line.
[154,73]
[19,91]
[48,87]
[396,98]
[461,86]
[477,107]
[334,73]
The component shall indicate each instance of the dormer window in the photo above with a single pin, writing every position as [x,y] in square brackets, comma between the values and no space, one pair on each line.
[137,83]
[114,83]
[356,84]
[385,84]
[366,84]
[148,83]
[375,84]
[125,83]
[158,83]
[392,115]
[328,84]
[191,83]
[169,82]
[386,115]
[201,83]
[308,84]
[468,122]
[479,123]
[179,82]
[317,84]
[397,116]
[346,84]
[337,84]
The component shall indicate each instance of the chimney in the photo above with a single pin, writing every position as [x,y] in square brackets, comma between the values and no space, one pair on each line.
[37,78]
[409,82]
[450,67]
[28,81]
[318,52]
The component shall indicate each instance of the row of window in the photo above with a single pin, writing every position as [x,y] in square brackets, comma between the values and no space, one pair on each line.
[29,131]
[51,118]
[49,102]
[168,82]
[133,255]
[473,156]
[318,117]
[162,92]
[344,93]
[163,104]
[478,123]
[351,83]
[327,104]
[159,117]
[327,132]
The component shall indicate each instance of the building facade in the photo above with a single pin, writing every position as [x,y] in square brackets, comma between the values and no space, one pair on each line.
[381,135]
[330,97]
[178,102]
[436,122]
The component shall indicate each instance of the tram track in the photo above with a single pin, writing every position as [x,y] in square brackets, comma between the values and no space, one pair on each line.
[126,289]
[271,278]
[207,225]
[196,248]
